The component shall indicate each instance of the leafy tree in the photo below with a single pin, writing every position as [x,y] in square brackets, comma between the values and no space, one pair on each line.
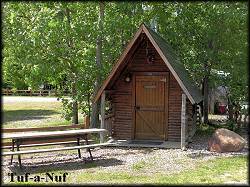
[95,106]
[74,45]
[50,43]
[206,36]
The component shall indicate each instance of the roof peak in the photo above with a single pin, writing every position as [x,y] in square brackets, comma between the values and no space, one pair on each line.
[168,56]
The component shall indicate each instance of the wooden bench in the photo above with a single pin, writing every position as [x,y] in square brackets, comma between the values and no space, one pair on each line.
[54,149]
[46,144]
[68,140]
[19,138]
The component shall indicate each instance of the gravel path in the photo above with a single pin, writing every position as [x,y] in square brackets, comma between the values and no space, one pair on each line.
[132,160]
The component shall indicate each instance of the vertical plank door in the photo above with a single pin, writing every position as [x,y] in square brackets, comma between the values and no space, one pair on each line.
[150,107]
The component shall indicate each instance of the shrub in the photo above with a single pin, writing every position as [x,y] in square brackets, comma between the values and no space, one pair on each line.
[231,125]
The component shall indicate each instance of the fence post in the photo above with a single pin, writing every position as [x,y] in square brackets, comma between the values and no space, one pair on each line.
[86,122]
[102,116]
[183,122]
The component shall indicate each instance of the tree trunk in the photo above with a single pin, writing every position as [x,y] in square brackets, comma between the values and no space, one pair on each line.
[230,109]
[73,85]
[89,105]
[207,69]
[94,117]
[205,101]
[75,104]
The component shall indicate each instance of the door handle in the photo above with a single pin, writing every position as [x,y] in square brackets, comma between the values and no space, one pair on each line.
[137,107]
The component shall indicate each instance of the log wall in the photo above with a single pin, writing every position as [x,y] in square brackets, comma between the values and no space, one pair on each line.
[122,97]
[174,115]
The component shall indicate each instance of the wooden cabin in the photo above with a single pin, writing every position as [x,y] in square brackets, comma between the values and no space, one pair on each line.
[148,95]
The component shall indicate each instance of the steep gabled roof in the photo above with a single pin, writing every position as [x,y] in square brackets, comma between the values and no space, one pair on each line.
[169,57]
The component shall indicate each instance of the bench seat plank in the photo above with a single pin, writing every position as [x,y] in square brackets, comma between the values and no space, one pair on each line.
[45,144]
[54,149]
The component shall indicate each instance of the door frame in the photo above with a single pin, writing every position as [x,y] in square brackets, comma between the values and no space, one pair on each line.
[166,74]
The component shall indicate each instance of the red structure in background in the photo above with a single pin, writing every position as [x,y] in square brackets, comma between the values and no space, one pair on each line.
[222,109]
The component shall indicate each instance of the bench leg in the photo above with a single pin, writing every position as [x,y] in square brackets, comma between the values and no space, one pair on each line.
[88,149]
[19,156]
[12,149]
[78,143]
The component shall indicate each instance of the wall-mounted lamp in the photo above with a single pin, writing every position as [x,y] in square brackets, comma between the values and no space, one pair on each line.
[128,77]
[150,58]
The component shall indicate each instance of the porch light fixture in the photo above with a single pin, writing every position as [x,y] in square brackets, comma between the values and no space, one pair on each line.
[150,58]
[128,78]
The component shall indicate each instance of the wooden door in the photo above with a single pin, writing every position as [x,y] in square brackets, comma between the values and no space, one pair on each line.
[150,107]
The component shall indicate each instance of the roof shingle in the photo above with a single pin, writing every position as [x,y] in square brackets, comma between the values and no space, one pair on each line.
[177,66]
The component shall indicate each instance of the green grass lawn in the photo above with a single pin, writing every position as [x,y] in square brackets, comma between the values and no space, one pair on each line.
[210,172]
[217,171]
[34,114]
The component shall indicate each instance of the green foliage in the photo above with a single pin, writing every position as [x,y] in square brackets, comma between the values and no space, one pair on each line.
[67,106]
[55,42]
[205,129]
[51,49]
[231,125]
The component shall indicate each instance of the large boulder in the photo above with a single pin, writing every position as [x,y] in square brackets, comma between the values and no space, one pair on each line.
[224,140]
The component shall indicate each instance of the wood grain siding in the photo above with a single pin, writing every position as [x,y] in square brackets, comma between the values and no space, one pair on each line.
[122,102]
[139,61]
[122,96]
[174,115]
